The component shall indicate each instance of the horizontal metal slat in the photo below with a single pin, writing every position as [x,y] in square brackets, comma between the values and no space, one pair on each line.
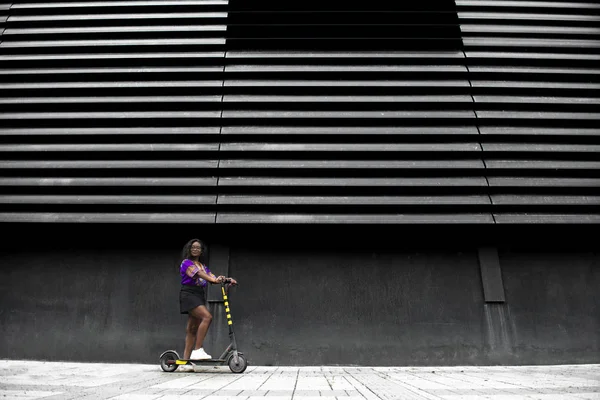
[534,29]
[346,83]
[509,199]
[524,42]
[378,69]
[543,164]
[355,164]
[110,164]
[118,181]
[516,16]
[345,147]
[164,217]
[544,115]
[116,17]
[347,99]
[352,200]
[537,100]
[80,30]
[546,218]
[316,55]
[539,131]
[532,4]
[296,218]
[122,57]
[110,100]
[349,130]
[546,182]
[530,55]
[108,71]
[43,44]
[256,114]
[166,131]
[115,147]
[111,115]
[357,182]
[111,4]
[559,72]
[111,85]
[541,147]
[554,85]
[108,199]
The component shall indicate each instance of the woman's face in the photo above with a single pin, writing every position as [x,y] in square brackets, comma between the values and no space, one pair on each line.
[196,249]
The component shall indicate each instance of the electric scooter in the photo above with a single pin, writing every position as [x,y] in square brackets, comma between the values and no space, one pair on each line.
[237,362]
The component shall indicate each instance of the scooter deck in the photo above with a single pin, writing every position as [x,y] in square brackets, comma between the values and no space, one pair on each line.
[210,360]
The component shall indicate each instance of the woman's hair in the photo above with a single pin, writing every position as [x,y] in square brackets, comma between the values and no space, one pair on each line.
[187,253]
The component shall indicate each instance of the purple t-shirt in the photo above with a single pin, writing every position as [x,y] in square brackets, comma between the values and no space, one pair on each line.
[188,271]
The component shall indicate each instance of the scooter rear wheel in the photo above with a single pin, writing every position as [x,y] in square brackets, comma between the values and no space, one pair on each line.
[240,367]
[167,361]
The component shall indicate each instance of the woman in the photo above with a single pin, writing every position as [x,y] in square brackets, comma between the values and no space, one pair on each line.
[192,299]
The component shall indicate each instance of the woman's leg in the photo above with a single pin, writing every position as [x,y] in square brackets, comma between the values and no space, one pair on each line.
[191,330]
[202,314]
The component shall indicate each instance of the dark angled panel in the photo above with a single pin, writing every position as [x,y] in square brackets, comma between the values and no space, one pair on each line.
[218,260]
[336,136]
[348,113]
[491,275]
[534,68]
[110,110]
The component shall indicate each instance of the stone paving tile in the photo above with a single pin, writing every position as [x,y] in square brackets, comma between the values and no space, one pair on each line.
[279,382]
[134,396]
[217,397]
[306,393]
[280,393]
[25,394]
[339,382]
[296,397]
[254,393]
[335,393]
[270,398]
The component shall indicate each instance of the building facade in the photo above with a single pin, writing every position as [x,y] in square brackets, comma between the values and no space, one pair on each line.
[391,185]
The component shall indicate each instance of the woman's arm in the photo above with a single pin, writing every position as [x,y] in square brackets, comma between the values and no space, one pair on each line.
[219,279]
[193,271]
[209,278]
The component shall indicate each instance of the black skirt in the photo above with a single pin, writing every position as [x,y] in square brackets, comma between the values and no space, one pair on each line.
[191,297]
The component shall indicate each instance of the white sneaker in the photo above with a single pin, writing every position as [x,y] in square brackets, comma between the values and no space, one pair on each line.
[200,354]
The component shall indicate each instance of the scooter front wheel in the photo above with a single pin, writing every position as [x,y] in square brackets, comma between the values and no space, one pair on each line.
[240,366]
[167,361]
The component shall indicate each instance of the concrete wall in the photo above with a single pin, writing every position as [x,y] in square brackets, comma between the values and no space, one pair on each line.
[84,298]
[552,313]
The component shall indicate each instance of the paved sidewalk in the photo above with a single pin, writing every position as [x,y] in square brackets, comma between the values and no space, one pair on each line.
[58,380]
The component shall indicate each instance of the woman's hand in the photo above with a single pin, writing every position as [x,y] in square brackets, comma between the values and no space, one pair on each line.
[221,279]
[233,281]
